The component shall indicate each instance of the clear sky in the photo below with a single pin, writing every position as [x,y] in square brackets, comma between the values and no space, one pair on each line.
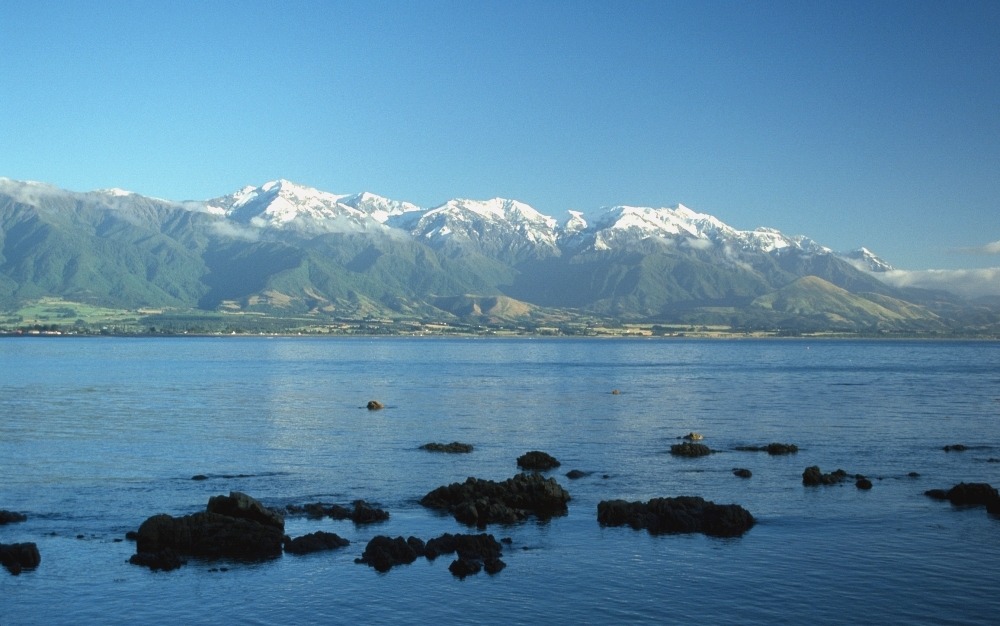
[873,123]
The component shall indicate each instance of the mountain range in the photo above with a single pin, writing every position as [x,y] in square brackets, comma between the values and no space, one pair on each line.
[283,248]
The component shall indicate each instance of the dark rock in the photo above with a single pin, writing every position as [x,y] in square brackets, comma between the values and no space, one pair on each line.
[9,517]
[914,475]
[537,460]
[364,513]
[465,567]
[575,474]
[234,526]
[475,552]
[360,513]
[17,557]
[972,494]
[383,553]
[315,542]
[684,514]
[241,506]
[936,494]
[163,560]
[478,502]
[958,447]
[690,449]
[812,476]
[199,477]
[773,449]
[863,483]
[482,546]
[742,472]
[374,405]
[455,447]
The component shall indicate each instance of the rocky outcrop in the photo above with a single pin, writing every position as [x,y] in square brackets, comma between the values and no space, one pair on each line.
[455,447]
[690,449]
[474,552]
[683,514]
[374,405]
[967,494]
[479,502]
[17,557]
[318,541]
[234,526]
[360,512]
[10,517]
[537,460]
[742,472]
[774,449]
[812,476]
[383,553]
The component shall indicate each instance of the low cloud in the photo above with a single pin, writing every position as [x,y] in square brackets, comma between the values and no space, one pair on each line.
[988,249]
[970,283]
[232,230]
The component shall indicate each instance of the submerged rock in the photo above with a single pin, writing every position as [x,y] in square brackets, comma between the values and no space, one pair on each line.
[958,447]
[575,474]
[683,514]
[863,483]
[360,513]
[374,405]
[455,447]
[537,460]
[774,449]
[479,502]
[742,472]
[474,552]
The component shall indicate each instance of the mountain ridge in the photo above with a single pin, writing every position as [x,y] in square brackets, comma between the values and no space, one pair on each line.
[287,248]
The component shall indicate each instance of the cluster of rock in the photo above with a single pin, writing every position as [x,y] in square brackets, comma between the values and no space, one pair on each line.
[455,447]
[812,476]
[479,502]
[474,552]
[970,494]
[17,557]
[771,448]
[690,449]
[360,512]
[234,526]
[318,541]
[683,514]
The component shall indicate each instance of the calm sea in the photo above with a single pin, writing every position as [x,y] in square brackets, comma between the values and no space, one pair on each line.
[96,435]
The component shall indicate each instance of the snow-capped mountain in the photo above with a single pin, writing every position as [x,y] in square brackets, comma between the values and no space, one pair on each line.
[498,227]
[281,244]
[281,204]
[866,260]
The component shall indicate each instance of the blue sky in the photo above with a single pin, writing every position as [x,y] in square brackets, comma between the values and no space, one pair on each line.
[855,123]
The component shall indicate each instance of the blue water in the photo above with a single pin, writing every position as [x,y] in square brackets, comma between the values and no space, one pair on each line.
[96,435]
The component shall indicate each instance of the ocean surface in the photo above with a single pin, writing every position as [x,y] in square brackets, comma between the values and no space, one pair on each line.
[98,434]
